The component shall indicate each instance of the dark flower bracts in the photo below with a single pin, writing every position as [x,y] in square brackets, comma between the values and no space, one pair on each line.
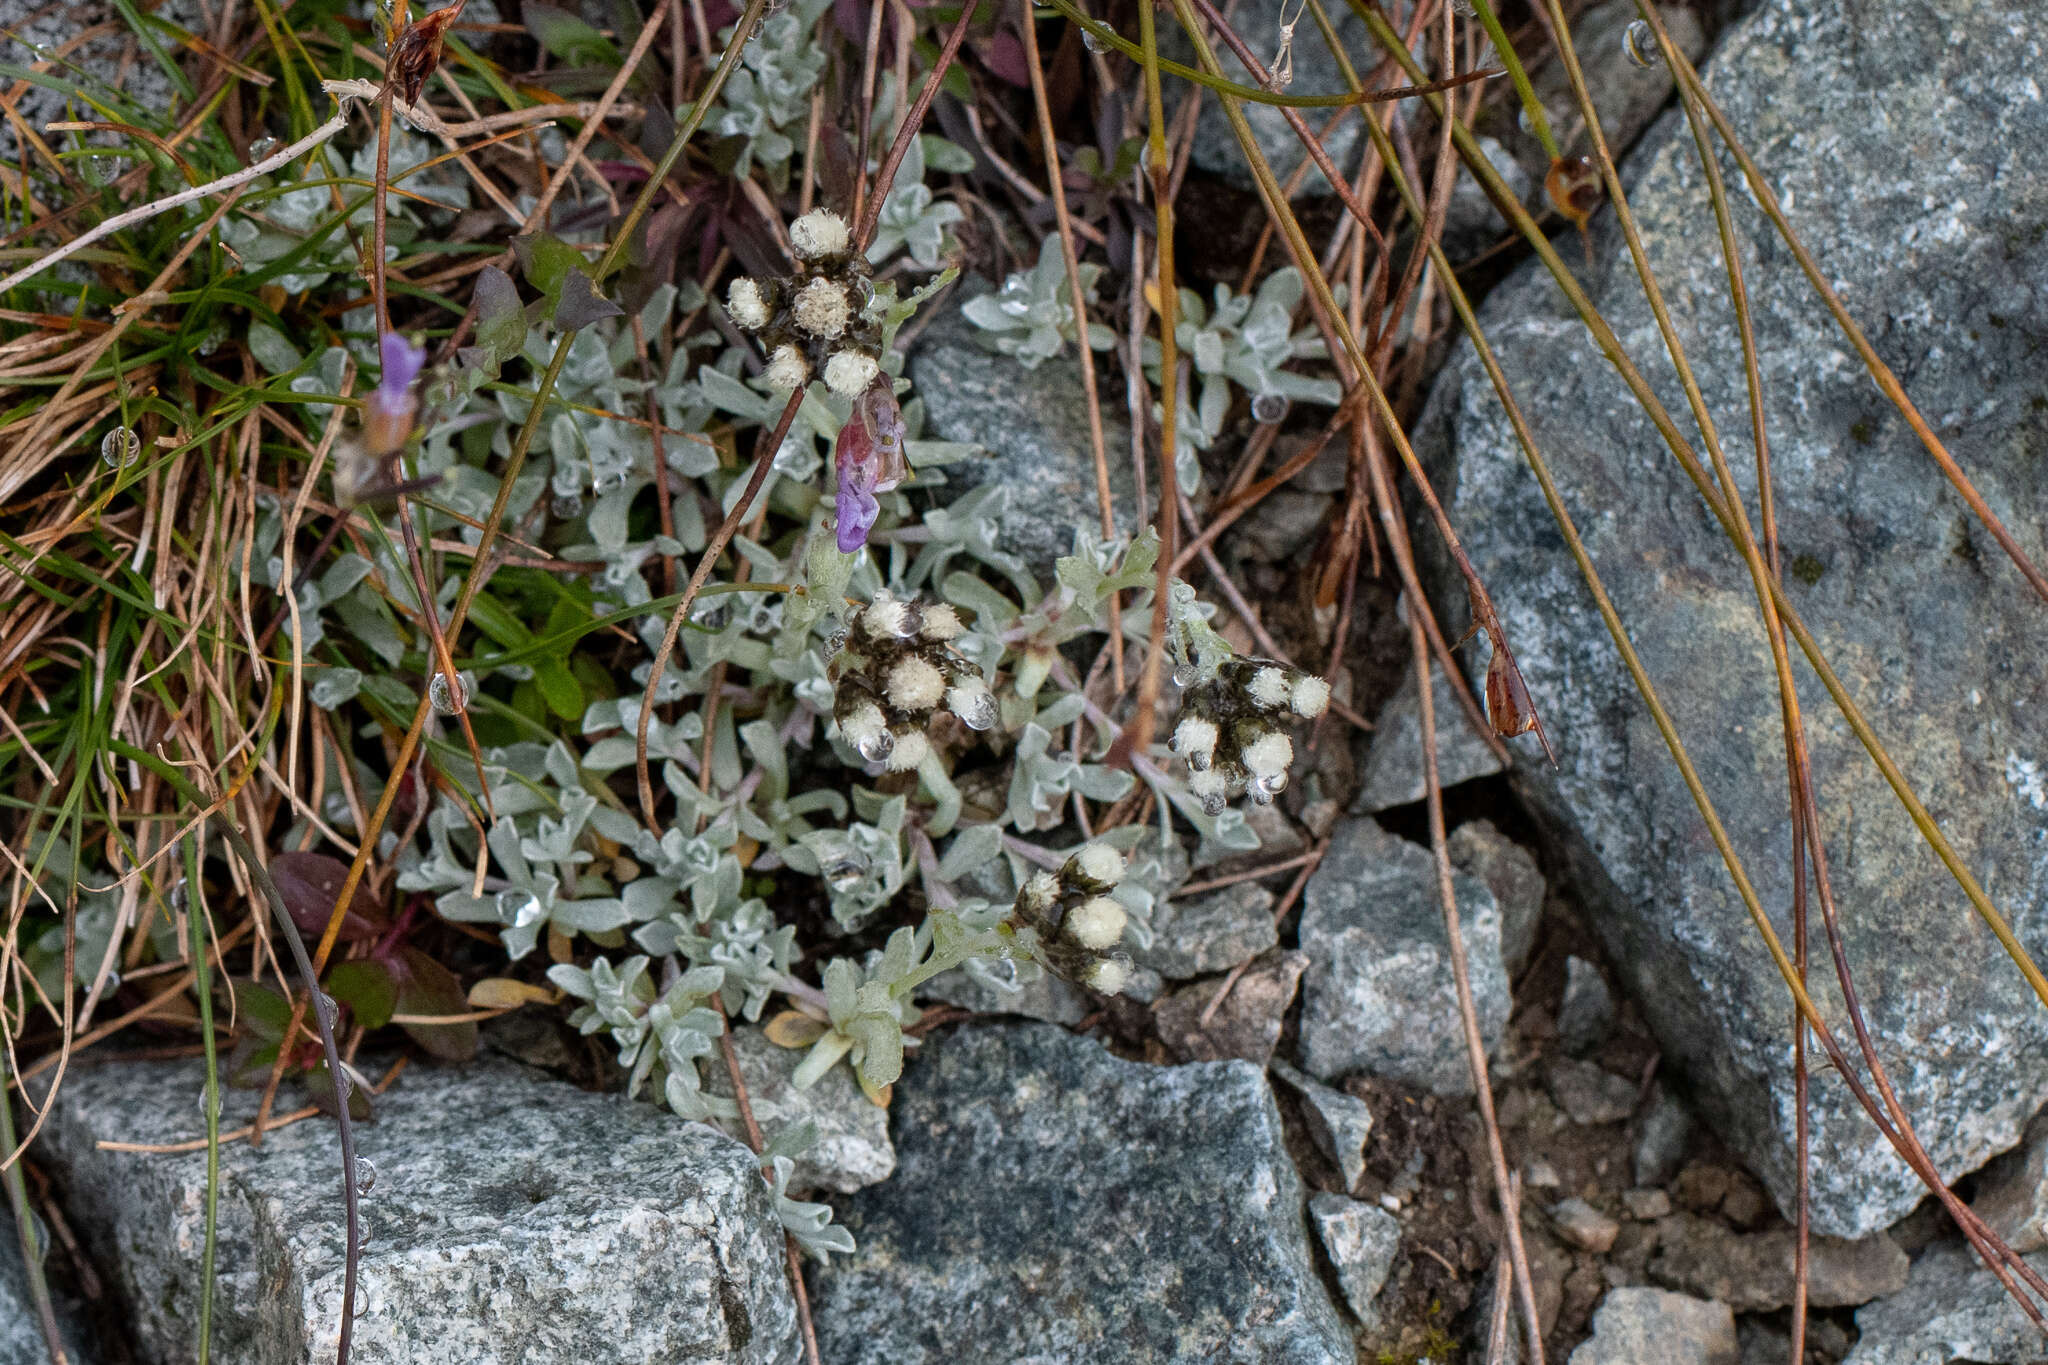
[894,671]
[1067,921]
[1232,731]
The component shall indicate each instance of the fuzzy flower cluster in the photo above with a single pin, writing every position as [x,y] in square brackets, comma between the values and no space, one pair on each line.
[1232,729]
[814,321]
[1069,923]
[894,671]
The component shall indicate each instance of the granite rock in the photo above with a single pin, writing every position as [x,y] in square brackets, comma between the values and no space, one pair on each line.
[1588,1095]
[1393,762]
[1379,995]
[511,1218]
[1586,1015]
[21,1333]
[1339,1124]
[1212,933]
[1634,1326]
[2012,1192]
[1246,1025]
[1751,1272]
[1511,874]
[852,1149]
[1054,1203]
[1897,137]
[1361,1241]
[1033,427]
[1952,1309]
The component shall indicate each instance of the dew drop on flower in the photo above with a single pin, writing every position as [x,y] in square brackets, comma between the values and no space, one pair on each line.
[877,746]
[1262,790]
[1640,43]
[448,701]
[1269,408]
[1185,674]
[261,147]
[366,1180]
[518,908]
[978,711]
[120,448]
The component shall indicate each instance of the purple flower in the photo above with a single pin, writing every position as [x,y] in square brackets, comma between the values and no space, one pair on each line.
[869,459]
[388,420]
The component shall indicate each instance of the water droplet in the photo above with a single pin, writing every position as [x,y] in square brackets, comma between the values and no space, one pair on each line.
[845,871]
[120,448]
[566,507]
[1093,43]
[448,701]
[261,148]
[347,1086]
[1524,122]
[977,710]
[216,1104]
[1185,674]
[835,642]
[330,1012]
[366,1180]
[1214,804]
[606,482]
[519,908]
[1640,43]
[1270,408]
[1262,790]
[877,746]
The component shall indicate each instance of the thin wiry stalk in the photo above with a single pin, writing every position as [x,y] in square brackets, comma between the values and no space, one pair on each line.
[1055,180]
[202,987]
[32,1246]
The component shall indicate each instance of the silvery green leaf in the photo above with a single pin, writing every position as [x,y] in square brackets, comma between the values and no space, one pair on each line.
[972,848]
[328,688]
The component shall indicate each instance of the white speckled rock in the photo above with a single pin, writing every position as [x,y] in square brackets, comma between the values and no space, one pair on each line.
[1638,1326]
[1393,758]
[1901,140]
[1378,995]
[852,1149]
[513,1218]
[1361,1240]
[1053,1203]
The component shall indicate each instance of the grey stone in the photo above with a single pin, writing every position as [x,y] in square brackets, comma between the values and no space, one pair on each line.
[1663,1140]
[852,1149]
[1626,96]
[1584,1226]
[1952,1309]
[1589,1095]
[1211,933]
[2012,1192]
[1586,1015]
[1047,998]
[1246,1025]
[1338,1123]
[1379,996]
[21,1332]
[1896,136]
[1315,73]
[1033,426]
[33,29]
[1752,1272]
[1646,1205]
[1633,1326]
[1471,222]
[1393,762]
[1054,1203]
[1361,1241]
[1511,874]
[512,1218]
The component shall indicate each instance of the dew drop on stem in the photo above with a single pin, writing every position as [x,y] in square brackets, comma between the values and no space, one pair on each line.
[366,1179]
[120,448]
[1269,409]
[1639,42]
[449,701]
[1093,43]
[261,148]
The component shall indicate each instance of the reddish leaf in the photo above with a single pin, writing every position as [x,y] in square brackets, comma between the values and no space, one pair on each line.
[418,50]
[425,987]
[310,883]
[1507,699]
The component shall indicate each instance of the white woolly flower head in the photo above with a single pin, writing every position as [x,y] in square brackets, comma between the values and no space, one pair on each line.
[819,235]
[888,618]
[1100,863]
[942,623]
[864,726]
[1109,975]
[787,369]
[848,373]
[820,308]
[1096,923]
[1039,891]
[1268,755]
[747,304]
[915,684]
[971,700]
[1209,787]
[1194,739]
[1311,697]
[1269,686]
[911,749]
